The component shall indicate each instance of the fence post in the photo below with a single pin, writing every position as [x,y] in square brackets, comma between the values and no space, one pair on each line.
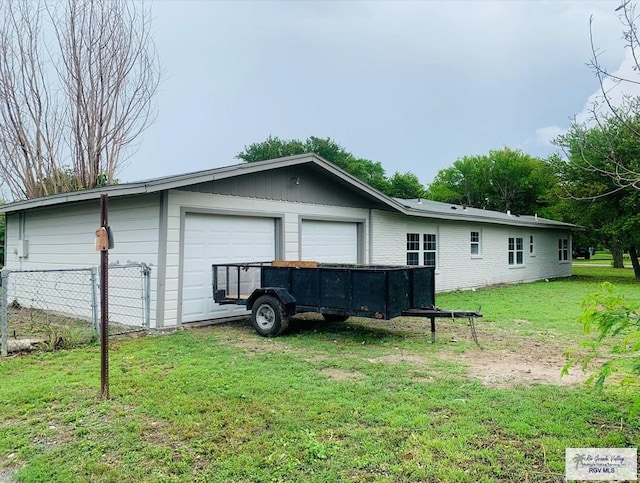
[146,294]
[4,307]
[94,301]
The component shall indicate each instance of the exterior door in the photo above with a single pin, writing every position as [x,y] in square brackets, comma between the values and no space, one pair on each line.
[212,239]
[329,241]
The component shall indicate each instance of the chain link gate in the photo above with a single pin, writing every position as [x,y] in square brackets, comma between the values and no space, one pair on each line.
[59,308]
[129,297]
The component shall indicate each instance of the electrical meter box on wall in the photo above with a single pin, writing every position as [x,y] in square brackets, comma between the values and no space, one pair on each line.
[104,239]
[23,248]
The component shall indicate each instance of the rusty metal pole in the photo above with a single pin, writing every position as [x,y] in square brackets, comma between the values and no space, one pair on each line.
[104,303]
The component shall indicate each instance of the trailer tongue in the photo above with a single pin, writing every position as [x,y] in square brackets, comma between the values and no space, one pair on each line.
[274,291]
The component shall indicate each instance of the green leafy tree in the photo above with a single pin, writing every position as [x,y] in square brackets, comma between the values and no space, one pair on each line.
[616,320]
[404,185]
[447,187]
[271,148]
[332,151]
[65,180]
[601,175]
[594,199]
[502,180]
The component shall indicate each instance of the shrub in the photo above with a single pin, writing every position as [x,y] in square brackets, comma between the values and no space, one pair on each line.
[617,323]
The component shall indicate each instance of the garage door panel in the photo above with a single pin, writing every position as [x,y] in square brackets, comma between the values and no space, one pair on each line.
[329,241]
[210,239]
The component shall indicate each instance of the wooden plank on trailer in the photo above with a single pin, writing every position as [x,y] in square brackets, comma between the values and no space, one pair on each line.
[294,263]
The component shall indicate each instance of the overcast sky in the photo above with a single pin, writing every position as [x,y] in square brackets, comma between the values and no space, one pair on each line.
[414,85]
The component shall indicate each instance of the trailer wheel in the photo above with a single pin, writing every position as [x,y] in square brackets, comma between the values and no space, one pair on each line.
[335,317]
[267,317]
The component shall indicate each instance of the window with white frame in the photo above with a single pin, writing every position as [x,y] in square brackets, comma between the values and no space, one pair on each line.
[430,248]
[532,251]
[563,249]
[475,243]
[422,249]
[516,251]
[413,248]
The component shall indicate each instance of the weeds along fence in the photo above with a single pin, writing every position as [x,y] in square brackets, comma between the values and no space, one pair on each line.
[61,308]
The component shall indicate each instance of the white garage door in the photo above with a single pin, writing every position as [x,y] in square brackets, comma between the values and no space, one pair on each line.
[219,239]
[330,241]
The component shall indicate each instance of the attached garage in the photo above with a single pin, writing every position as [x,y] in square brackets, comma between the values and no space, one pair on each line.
[210,239]
[330,241]
[296,208]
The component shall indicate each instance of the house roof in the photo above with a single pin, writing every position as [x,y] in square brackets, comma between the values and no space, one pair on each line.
[449,211]
[181,180]
[417,208]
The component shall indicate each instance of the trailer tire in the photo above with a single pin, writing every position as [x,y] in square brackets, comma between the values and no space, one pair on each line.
[267,317]
[335,317]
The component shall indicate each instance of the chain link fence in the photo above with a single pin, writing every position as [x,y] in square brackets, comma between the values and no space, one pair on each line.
[129,297]
[59,308]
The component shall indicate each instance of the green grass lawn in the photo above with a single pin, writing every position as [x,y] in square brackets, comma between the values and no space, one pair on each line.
[360,401]
[602,257]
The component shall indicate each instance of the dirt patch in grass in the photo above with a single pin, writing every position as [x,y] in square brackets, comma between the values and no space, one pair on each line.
[505,362]
[240,335]
[6,474]
[398,358]
[506,359]
[340,375]
[503,368]
[508,368]
[258,346]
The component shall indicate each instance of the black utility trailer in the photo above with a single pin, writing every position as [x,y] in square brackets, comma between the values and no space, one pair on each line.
[274,291]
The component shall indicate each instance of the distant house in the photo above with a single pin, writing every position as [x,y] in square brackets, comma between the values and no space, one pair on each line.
[295,208]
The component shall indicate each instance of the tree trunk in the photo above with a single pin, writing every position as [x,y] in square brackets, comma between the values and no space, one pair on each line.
[617,252]
[633,254]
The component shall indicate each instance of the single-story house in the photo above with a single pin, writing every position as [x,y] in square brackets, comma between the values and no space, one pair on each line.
[294,208]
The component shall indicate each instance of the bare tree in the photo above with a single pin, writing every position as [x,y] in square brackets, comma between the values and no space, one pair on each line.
[615,105]
[31,122]
[77,82]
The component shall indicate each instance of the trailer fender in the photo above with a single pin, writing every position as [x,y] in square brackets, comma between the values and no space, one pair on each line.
[281,294]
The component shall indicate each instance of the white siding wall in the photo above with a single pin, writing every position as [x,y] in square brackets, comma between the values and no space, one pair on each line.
[63,237]
[456,267]
[290,212]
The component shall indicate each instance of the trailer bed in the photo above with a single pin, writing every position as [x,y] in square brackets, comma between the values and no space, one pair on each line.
[337,291]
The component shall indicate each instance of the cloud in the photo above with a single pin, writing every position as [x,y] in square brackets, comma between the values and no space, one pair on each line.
[621,84]
[414,85]
[545,135]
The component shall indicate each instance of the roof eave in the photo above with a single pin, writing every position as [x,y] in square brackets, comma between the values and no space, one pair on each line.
[179,181]
[514,221]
